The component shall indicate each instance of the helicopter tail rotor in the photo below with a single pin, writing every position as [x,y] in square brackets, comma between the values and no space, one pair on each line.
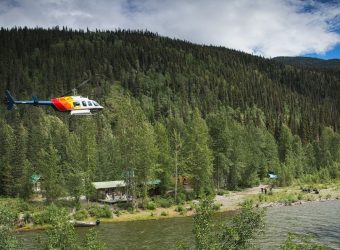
[10,100]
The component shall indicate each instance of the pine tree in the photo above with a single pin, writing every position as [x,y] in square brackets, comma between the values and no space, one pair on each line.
[20,169]
[164,160]
[199,155]
[50,169]
[7,145]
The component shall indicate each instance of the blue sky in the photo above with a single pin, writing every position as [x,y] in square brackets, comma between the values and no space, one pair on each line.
[264,27]
[330,54]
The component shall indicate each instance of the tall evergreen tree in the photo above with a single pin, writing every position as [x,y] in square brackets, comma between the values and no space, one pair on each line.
[199,155]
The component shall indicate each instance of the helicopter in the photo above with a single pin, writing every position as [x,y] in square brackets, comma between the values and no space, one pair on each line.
[75,105]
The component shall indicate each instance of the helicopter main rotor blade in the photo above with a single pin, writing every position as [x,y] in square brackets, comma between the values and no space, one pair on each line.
[78,86]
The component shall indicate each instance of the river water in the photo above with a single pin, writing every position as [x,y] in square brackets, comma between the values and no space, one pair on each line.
[319,219]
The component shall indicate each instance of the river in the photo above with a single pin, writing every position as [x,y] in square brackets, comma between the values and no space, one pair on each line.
[320,219]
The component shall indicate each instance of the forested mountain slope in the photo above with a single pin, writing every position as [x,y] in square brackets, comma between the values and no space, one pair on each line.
[312,63]
[221,116]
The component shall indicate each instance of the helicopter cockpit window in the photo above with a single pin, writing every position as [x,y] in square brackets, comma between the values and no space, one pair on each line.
[84,103]
[89,103]
[95,104]
[75,104]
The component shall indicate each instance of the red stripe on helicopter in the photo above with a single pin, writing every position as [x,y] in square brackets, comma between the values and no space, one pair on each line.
[66,102]
[59,106]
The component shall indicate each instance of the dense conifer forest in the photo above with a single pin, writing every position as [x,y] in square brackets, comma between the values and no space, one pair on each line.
[222,117]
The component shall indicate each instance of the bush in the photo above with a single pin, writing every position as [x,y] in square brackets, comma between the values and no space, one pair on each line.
[290,199]
[39,218]
[81,215]
[190,196]
[262,198]
[124,206]
[180,209]
[181,198]
[45,217]
[165,203]
[216,206]
[295,241]
[15,204]
[100,212]
[117,213]
[151,205]
[163,213]
[27,217]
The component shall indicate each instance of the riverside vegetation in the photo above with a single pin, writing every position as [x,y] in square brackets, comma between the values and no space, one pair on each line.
[220,117]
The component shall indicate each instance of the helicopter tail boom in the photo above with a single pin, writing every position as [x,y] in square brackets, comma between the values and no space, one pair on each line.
[11,102]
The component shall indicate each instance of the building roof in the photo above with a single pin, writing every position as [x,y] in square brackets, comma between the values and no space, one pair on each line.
[108,184]
[115,184]
[154,182]
[35,178]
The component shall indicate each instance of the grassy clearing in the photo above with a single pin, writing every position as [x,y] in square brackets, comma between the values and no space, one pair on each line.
[293,194]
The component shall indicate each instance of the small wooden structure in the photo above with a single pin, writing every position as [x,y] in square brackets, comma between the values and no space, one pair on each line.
[115,191]
[110,191]
[36,183]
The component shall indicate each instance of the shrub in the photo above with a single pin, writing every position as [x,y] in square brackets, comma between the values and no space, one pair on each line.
[117,213]
[27,217]
[151,205]
[39,218]
[295,241]
[100,212]
[163,213]
[45,217]
[261,197]
[179,209]
[124,206]
[181,198]
[165,203]
[290,199]
[216,206]
[81,214]
[190,196]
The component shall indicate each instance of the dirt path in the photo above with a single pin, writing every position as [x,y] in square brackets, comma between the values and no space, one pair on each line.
[233,199]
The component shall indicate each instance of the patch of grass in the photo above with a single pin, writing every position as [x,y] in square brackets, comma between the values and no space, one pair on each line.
[164,213]
[300,196]
[290,199]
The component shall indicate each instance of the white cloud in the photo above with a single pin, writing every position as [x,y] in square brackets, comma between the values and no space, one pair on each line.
[266,27]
